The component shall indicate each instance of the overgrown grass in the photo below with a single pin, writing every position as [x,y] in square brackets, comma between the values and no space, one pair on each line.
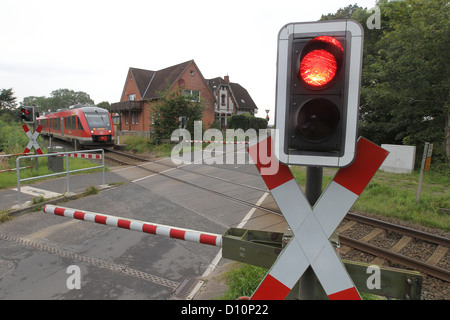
[394,195]
[137,144]
[242,280]
[4,216]
[91,190]
[143,145]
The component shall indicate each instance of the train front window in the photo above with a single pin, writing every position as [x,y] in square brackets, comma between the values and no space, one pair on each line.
[98,121]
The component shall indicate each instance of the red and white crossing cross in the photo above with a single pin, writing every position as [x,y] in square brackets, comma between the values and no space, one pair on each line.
[312,227]
[33,139]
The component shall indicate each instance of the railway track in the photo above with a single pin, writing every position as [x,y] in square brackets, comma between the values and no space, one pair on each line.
[122,158]
[385,242]
[391,243]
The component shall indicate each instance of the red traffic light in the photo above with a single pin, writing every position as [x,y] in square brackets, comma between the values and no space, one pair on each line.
[27,114]
[321,61]
[317,95]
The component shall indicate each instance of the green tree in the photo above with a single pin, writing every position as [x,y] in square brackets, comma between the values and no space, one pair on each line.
[406,98]
[7,99]
[174,104]
[342,13]
[61,98]
[105,105]
[405,77]
[41,102]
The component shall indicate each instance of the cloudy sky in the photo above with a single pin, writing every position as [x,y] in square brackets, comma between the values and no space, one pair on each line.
[88,45]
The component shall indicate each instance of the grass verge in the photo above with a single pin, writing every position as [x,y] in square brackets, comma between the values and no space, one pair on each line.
[394,195]
[137,144]
[242,280]
[9,179]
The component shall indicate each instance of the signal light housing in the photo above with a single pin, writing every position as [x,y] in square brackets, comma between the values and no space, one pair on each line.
[318,81]
[27,114]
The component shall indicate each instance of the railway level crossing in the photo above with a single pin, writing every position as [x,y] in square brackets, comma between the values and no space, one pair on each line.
[311,228]
[318,84]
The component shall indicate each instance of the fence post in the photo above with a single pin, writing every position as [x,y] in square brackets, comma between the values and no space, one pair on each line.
[68,173]
[18,179]
[422,167]
[103,166]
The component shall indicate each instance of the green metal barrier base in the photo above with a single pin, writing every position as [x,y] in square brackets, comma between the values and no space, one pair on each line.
[261,248]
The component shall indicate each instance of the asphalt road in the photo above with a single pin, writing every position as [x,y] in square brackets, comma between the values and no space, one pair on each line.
[48,257]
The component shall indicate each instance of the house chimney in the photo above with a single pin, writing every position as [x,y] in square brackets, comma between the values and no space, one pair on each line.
[227,79]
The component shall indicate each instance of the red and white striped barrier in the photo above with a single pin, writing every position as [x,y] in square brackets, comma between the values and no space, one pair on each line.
[214,141]
[15,169]
[83,155]
[33,139]
[312,227]
[136,225]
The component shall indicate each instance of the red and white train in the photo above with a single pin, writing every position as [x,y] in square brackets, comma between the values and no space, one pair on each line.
[84,125]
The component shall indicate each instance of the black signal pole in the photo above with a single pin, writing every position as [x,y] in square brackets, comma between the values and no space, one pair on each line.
[313,190]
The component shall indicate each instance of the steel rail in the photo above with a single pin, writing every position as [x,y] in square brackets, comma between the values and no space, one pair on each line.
[418,234]
[424,267]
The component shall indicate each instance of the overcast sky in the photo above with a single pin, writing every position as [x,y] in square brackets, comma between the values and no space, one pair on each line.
[88,45]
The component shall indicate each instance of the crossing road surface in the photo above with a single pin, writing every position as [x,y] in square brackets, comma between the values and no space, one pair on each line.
[43,256]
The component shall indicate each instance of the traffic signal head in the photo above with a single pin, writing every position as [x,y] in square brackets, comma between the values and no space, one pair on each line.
[318,80]
[27,114]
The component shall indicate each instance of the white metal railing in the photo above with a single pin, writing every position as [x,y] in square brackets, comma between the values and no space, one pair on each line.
[67,172]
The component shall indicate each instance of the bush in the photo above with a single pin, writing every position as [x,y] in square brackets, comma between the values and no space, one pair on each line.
[246,121]
[12,137]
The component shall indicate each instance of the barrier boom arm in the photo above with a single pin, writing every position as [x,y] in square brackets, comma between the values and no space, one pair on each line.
[136,225]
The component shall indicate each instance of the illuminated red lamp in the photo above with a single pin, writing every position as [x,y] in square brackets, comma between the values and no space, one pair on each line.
[321,62]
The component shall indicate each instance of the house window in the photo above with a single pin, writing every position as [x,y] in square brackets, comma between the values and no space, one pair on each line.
[223,98]
[134,118]
[192,72]
[132,97]
[194,95]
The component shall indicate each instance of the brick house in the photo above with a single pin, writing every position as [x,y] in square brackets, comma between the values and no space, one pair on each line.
[142,87]
[230,99]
